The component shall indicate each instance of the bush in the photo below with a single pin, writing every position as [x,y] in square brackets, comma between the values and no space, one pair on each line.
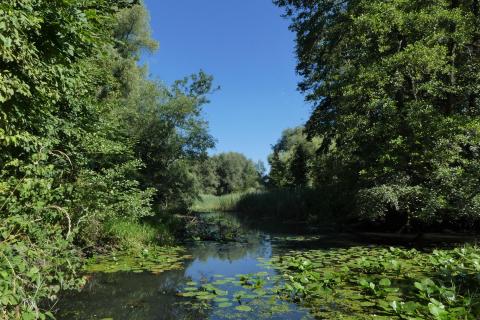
[37,260]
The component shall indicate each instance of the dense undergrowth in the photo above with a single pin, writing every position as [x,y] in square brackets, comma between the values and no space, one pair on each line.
[296,204]
[321,207]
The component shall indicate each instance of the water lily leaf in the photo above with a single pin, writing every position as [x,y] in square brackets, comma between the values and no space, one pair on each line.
[260,292]
[243,308]
[187,294]
[385,282]
[221,292]
[221,299]
[225,305]
[191,289]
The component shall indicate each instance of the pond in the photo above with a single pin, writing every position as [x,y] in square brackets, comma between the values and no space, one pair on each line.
[236,279]
[148,295]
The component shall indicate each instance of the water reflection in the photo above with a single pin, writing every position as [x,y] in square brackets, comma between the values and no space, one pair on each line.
[129,296]
[145,296]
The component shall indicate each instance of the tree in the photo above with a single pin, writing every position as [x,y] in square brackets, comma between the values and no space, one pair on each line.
[262,172]
[132,32]
[277,174]
[292,158]
[299,166]
[170,137]
[395,88]
[229,172]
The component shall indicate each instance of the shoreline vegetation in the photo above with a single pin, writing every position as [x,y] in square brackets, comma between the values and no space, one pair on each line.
[307,205]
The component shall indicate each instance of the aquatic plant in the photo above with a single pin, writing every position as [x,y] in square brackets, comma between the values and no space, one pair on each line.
[390,283]
[243,296]
[155,260]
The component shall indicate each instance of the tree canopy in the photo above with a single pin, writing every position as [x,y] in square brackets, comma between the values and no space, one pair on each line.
[395,85]
[230,172]
[292,159]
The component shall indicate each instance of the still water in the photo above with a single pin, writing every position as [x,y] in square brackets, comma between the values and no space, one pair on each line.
[147,296]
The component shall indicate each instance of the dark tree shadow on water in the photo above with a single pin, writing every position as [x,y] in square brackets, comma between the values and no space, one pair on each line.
[132,296]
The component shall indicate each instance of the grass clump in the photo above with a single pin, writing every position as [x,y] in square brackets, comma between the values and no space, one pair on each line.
[212,203]
[134,236]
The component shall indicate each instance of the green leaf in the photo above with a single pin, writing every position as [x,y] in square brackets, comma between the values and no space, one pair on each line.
[243,308]
[225,304]
[385,282]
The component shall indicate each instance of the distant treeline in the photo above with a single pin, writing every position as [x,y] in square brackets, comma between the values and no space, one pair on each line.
[230,172]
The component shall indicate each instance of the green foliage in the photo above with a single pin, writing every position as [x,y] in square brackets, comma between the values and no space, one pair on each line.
[46,112]
[170,137]
[36,262]
[115,197]
[212,203]
[292,159]
[132,32]
[229,172]
[390,284]
[79,123]
[396,96]
[298,204]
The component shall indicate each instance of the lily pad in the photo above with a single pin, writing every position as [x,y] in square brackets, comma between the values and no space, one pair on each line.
[243,308]
[225,305]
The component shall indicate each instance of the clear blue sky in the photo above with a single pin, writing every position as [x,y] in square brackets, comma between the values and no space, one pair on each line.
[247,47]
